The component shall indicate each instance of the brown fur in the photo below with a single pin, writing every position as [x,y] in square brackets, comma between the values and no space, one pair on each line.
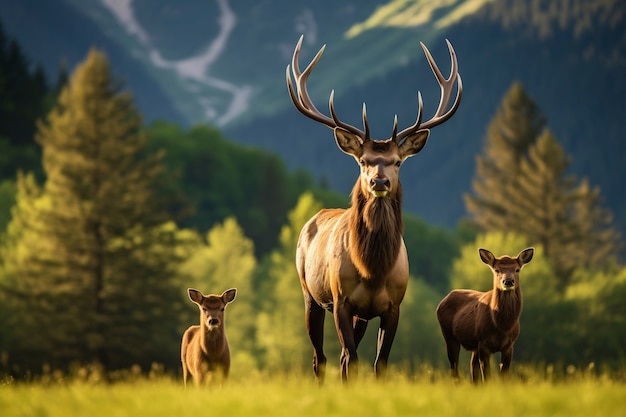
[485,322]
[376,224]
[353,261]
[204,350]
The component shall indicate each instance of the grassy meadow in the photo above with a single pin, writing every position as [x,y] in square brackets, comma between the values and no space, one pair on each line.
[529,393]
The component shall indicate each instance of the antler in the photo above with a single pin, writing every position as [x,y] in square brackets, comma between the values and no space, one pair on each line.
[447,86]
[305,105]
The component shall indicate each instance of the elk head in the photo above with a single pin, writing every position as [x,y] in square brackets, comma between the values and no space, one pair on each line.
[506,269]
[212,306]
[379,160]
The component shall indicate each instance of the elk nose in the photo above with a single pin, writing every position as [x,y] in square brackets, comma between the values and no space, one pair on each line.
[380,184]
[507,283]
[214,322]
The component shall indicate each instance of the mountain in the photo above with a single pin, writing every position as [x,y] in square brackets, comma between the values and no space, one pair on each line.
[223,62]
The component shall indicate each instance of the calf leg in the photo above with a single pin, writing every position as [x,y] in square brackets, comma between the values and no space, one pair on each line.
[505,360]
[483,359]
[474,367]
[453,348]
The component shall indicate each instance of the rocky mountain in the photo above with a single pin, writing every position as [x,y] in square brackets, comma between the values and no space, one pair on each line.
[223,62]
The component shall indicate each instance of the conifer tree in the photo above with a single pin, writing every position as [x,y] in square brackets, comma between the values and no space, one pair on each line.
[521,187]
[559,213]
[90,258]
[514,128]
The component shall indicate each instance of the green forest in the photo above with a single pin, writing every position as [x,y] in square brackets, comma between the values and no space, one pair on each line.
[105,222]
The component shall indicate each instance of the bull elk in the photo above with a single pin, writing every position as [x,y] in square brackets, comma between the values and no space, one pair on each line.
[485,322]
[353,262]
[204,349]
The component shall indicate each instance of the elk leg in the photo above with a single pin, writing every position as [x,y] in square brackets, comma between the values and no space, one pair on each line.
[505,360]
[314,316]
[474,367]
[360,326]
[386,334]
[344,322]
[483,359]
[453,348]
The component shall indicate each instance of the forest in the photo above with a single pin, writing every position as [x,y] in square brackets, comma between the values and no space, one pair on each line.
[106,222]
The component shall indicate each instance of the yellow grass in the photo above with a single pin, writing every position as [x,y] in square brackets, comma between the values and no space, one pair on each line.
[262,394]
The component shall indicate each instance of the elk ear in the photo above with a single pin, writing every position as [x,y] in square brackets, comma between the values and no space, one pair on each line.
[229,295]
[348,142]
[486,256]
[195,295]
[526,255]
[414,143]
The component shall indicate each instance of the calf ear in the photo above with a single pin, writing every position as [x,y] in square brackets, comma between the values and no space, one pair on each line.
[486,256]
[195,295]
[229,295]
[526,255]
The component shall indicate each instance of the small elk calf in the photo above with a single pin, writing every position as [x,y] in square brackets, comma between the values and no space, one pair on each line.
[485,322]
[204,349]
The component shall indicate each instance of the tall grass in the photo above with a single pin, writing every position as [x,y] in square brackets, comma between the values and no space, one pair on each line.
[530,392]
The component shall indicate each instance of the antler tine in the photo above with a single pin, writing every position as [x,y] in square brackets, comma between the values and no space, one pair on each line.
[414,127]
[302,100]
[363,135]
[447,87]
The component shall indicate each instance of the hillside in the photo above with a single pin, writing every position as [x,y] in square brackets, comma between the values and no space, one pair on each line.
[224,62]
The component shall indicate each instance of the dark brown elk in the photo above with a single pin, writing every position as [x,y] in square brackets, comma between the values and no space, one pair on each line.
[353,262]
[204,351]
[485,322]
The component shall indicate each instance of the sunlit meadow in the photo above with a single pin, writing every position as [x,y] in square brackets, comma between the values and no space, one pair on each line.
[540,391]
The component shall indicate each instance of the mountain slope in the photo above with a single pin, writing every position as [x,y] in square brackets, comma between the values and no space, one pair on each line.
[223,62]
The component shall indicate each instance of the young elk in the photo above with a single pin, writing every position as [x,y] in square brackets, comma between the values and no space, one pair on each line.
[204,349]
[485,322]
[353,262]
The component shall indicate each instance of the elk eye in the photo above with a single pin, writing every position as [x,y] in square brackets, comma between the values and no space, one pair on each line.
[398,164]
[517,270]
[497,271]
[362,162]
[222,309]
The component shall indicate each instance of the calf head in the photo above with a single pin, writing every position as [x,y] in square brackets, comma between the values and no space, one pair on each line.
[505,268]
[212,306]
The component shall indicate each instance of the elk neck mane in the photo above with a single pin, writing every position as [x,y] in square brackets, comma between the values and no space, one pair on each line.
[375,232]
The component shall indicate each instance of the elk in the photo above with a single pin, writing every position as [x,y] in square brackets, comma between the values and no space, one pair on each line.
[353,262]
[204,351]
[485,322]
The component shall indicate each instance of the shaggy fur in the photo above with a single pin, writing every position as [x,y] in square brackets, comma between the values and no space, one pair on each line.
[375,232]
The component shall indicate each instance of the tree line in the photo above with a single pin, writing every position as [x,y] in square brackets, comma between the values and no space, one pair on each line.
[102,243]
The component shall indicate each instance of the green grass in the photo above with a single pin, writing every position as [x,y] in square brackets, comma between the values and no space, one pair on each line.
[576,394]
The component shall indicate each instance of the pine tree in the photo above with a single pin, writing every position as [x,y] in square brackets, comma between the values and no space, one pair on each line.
[514,128]
[566,218]
[521,187]
[90,258]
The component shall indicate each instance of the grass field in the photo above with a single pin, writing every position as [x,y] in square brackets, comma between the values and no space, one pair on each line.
[575,394]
